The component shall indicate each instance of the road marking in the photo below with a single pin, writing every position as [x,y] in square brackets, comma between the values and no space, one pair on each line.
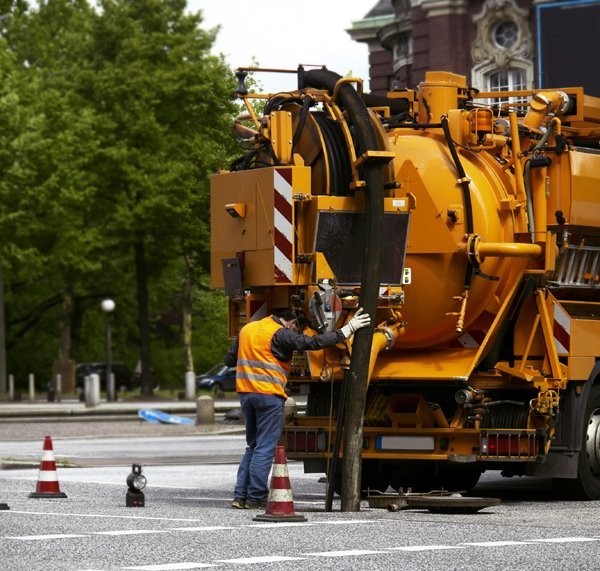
[38,537]
[496,543]
[346,553]
[423,547]
[565,539]
[203,528]
[264,559]
[279,524]
[130,531]
[172,566]
[357,552]
[68,514]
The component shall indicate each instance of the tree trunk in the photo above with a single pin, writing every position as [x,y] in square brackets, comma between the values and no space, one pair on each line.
[188,358]
[3,384]
[141,277]
[64,349]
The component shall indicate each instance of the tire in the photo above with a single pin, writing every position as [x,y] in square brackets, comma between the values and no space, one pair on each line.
[587,484]
[217,391]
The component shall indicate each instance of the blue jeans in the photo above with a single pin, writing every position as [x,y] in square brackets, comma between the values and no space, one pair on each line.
[263,416]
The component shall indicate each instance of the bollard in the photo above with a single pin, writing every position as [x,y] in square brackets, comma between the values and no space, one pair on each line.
[92,390]
[31,386]
[190,385]
[50,394]
[11,387]
[58,389]
[205,410]
[289,408]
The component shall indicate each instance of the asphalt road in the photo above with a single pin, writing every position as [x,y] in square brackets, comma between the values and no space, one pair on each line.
[187,523]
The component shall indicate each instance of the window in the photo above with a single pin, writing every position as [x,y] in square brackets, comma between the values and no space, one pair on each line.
[507,80]
[506,34]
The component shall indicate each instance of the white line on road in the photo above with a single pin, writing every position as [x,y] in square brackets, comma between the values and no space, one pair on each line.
[130,531]
[496,543]
[172,566]
[423,547]
[346,553]
[566,539]
[265,559]
[42,537]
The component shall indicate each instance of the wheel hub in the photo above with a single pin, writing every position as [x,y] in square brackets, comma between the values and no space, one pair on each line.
[592,446]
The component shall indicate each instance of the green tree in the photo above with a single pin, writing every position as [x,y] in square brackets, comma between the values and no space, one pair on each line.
[46,180]
[113,120]
[165,103]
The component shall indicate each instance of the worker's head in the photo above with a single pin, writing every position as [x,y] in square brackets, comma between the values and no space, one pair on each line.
[287,317]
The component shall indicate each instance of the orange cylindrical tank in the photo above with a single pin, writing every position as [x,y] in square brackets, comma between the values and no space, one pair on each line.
[438,227]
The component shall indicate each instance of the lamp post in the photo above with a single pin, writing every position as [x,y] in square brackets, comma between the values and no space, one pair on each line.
[108,306]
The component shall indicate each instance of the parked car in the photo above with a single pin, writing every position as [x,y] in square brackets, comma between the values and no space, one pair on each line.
[218,380]
[123,376]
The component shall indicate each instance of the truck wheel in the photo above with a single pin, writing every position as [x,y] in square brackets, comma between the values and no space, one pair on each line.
[587,484]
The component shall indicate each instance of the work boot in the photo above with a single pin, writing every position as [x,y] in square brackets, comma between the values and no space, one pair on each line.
[256,505]
[239,504]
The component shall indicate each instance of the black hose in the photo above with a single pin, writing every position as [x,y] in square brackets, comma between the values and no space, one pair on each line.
[397,105]
[464,183]
[462,176]
[357,376]
[339,161]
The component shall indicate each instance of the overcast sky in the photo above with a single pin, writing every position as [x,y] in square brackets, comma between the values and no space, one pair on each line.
[284,34]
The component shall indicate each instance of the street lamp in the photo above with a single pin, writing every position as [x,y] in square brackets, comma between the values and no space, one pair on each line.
[108,306]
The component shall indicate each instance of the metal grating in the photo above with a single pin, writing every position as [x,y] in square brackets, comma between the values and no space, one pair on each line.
[578,266]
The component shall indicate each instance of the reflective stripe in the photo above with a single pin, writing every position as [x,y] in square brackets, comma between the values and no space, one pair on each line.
[261,364]
[260,378]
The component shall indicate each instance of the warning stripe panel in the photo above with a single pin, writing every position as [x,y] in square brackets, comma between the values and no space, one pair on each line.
[561,330]
[283,223]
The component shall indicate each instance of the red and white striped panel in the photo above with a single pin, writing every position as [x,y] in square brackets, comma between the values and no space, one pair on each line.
[257,309]
[561,330]
[283,231]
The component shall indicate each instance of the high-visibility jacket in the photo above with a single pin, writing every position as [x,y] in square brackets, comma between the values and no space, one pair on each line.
[258,370]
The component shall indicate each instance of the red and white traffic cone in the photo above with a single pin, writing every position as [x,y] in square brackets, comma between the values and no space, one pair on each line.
[280,504]
[47,486]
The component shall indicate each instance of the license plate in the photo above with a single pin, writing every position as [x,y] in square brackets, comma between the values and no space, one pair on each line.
[421,443]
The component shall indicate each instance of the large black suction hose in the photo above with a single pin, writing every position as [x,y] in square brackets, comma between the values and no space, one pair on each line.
[372,244]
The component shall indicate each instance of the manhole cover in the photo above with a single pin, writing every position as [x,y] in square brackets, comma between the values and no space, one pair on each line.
[450,504]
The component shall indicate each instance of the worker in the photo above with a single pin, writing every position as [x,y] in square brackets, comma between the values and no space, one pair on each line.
[262,354]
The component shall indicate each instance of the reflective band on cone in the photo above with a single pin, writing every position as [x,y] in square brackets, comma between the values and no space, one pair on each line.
[280,504]
[47,486]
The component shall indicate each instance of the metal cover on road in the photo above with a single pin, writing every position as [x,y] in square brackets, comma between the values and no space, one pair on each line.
[450,504]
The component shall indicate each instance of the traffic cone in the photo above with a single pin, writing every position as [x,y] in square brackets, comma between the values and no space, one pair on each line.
[47,486]
[280,505]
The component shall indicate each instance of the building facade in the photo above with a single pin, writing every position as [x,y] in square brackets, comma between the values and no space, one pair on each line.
[500,45]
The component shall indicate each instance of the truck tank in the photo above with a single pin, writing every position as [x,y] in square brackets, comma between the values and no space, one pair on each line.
[485,349]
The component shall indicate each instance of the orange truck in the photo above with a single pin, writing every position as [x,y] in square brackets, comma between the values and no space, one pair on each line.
[485,348]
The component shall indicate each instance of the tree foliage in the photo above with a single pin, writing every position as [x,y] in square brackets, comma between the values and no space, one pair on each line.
[115,116]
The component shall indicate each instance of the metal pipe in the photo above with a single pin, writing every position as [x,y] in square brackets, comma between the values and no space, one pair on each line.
[504,249]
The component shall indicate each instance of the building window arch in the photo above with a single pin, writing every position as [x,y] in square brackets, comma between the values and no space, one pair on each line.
[502,50]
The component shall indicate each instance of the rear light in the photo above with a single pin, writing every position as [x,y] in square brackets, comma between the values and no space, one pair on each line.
[519,445]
